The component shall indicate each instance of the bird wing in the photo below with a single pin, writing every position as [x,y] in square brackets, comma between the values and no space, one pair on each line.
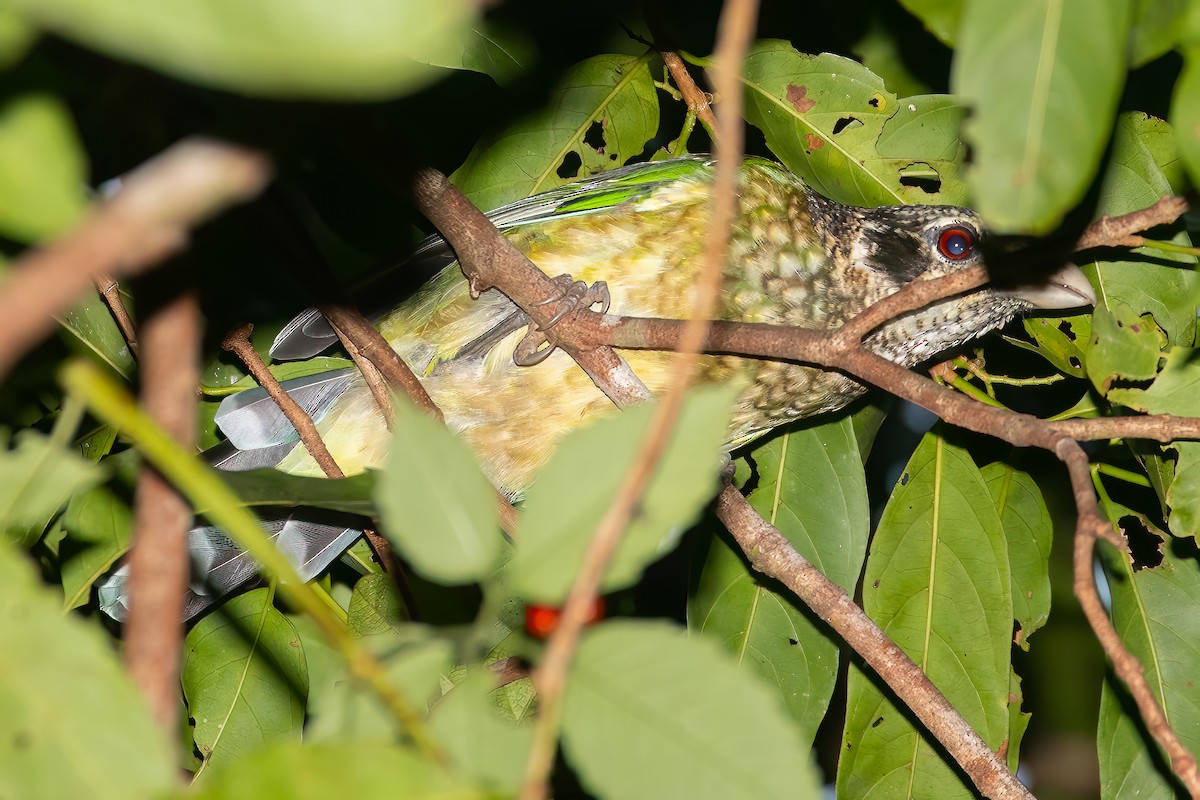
[308,333]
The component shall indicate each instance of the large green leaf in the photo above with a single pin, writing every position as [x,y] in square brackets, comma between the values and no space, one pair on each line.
[1156,612]
[356,49]
[43,172]
[834,123]
[937,582]
[574,490]
[941,17]
[601,115]
[482,745]
[71,722]
[245,679]
[757,620]
[435,505]
[1043,80]
[649,712]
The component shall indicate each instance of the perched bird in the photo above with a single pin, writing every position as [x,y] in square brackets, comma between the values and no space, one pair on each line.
[795,258]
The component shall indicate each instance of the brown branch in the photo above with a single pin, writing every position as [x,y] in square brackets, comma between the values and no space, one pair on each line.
[159,563]
[1111,231]
[1088,527]
[696,99]
[142,224]
[734,33]
[110,290]
[770,553]
[237,341]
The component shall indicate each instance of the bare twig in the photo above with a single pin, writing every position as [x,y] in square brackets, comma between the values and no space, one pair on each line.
[736,28]
[143,223]
[770,553]
[237,341]
[170,370]
[1111,231]
[696,99]
[110,290]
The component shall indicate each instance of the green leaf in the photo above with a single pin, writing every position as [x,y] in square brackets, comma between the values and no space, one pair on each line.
[36,478]
[435,505]
[375,606]
[941,17]
[245,679]
[1028,531]
[484,747]
[759,622]
[363,771]
[1156,612]
[1060,341]
[612,94]
[574,490]
[1145,166]
[937,582]
[1043,103]
[102,524]
[43,173]
[1123,347]
[649,712]
[269,487]
[221,379]
[834,123]
[16,37]
[90,323]
[360,49]
[415,662]
[799,100]
[71,722]
[500,52]
[1158,25]
[1183,493]
[1176,390]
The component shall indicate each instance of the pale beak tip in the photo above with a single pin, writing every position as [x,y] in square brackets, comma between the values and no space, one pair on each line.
[1065,288]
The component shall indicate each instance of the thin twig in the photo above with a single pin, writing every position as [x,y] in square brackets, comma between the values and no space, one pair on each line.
[735,30]
[237,341]
[110,290]
[158,562]
[1111,231]
[696,99]
[148,219]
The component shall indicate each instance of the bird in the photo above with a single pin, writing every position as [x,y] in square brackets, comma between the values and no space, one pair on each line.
[637,232]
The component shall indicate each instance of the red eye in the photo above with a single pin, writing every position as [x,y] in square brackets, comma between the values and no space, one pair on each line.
[956,243]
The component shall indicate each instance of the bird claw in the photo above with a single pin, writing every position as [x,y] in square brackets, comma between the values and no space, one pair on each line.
[574,296]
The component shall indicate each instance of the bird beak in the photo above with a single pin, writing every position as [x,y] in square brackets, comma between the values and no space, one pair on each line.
[1065,288]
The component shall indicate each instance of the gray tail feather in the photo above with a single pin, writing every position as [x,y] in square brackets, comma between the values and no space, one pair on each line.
[310,538]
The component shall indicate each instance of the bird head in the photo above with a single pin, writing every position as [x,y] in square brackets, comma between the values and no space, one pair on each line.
[893,245]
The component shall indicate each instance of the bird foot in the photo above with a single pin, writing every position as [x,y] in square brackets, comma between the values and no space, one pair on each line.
[536,346]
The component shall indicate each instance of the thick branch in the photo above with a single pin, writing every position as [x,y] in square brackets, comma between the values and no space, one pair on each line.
[158,563]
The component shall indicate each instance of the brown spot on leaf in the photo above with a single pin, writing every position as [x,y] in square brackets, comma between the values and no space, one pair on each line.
[813,142]
[796,96]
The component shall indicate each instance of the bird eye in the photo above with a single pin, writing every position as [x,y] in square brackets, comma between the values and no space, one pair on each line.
[956,243]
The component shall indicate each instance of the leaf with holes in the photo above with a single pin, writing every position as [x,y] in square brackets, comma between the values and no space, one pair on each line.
[600,116]
[937,582]
[1123,347]
[834,123]
[758,621]
[1060,341]
[1143,167]
[1156,611]
[1042,103]
[1176,390]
